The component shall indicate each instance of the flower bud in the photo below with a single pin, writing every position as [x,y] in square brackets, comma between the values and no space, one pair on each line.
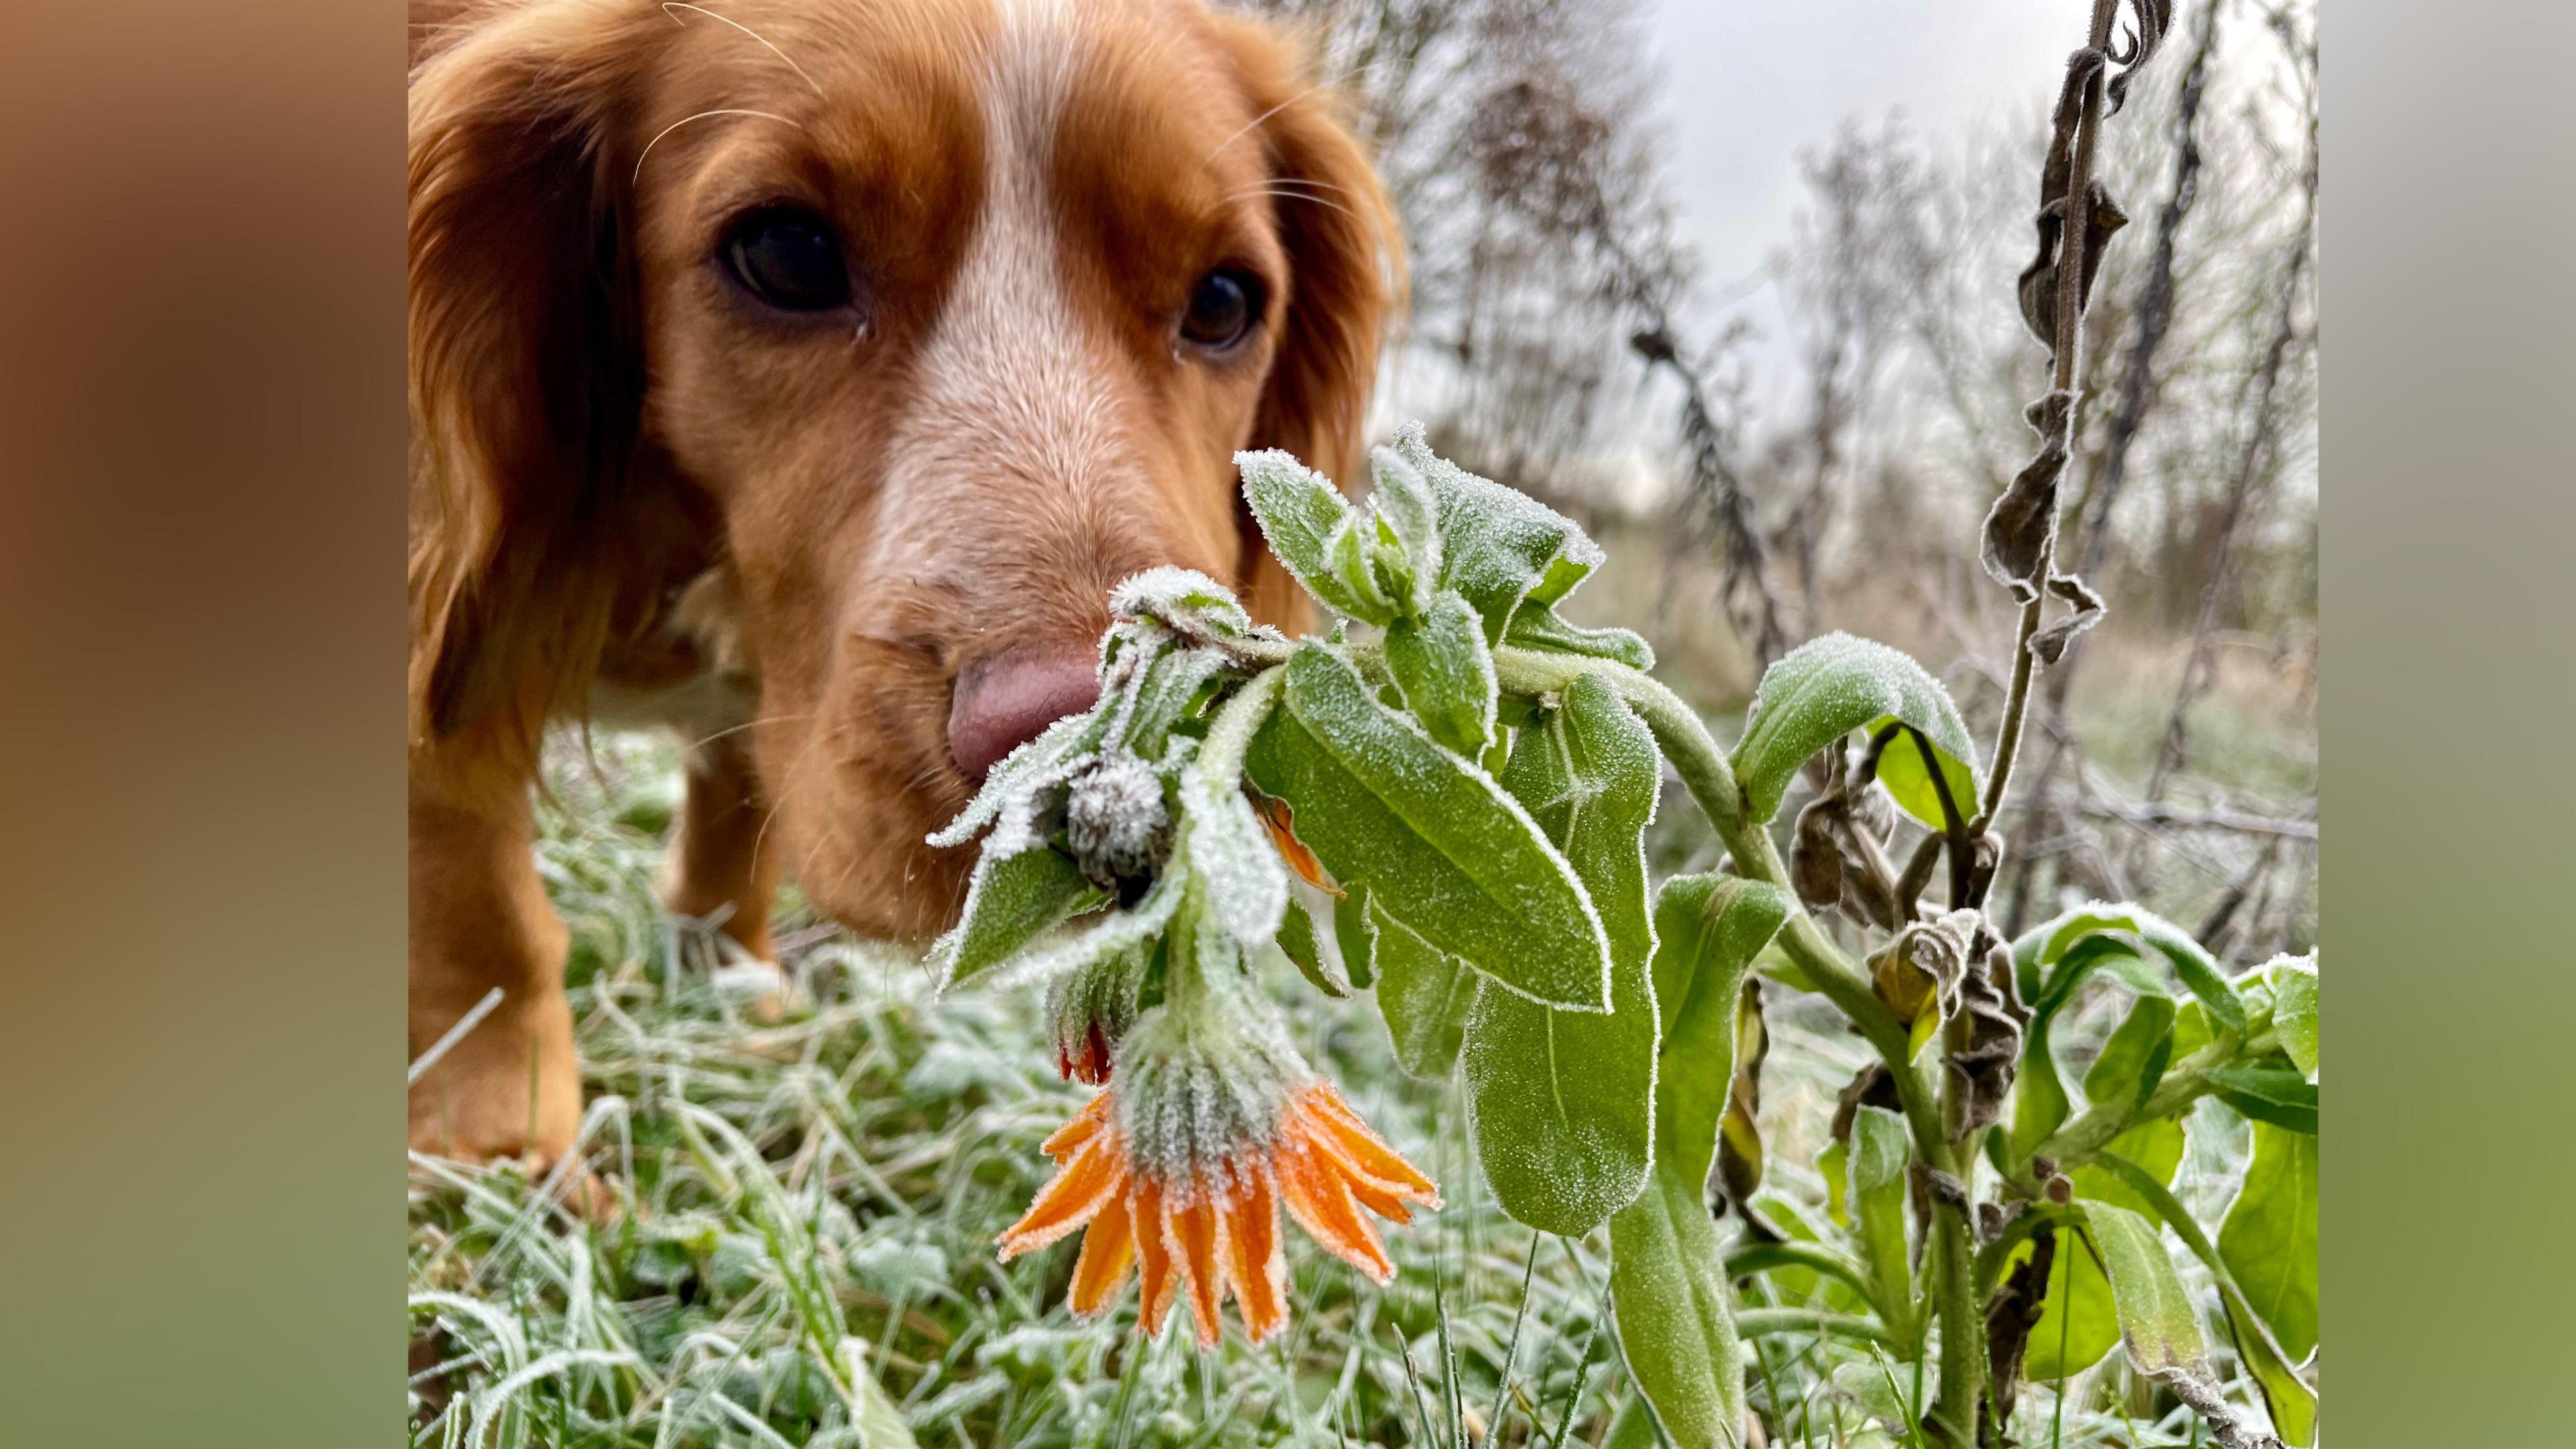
[1116,821]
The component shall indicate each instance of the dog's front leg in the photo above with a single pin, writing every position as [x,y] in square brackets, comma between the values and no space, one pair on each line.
[511,1085]
[724,860]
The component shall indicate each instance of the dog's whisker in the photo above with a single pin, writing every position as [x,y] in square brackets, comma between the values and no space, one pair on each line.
[700,116]
[1248,126]
[671,5]
[1292,196]
[749,724]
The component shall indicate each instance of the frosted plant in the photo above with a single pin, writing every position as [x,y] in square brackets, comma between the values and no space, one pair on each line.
[1464,778]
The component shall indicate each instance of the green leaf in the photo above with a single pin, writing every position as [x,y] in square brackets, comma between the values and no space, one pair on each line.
[2133,932]
[1296,507]
[1444,851]
[1297,941]
[2040,1102]
[2077,1323]
[2158,1321]
[1499,546]
[1826,688]
[1353,581]
[1403,501]
[2269,1238]
[2133,1060]
[1562,1101]
[2275,1092]
[1879,1152]
[2294,1010]
[1010,902]
[1445,672]
[2292,1402]
[1708,929]
[1669,1301]
[2155,1146]
[1587,772]
[1355,933]
[1425,997]
[1537,626]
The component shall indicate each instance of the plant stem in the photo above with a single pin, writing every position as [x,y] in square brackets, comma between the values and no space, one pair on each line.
[2072,236]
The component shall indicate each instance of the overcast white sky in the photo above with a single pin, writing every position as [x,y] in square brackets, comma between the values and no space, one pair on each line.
[1748,83]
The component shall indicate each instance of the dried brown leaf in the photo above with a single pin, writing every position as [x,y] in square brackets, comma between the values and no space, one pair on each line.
[2021,528]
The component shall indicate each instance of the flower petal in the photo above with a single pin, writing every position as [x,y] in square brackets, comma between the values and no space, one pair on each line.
[1154,1260]
[1108,1251]
[1086,1123]
[1255,1264]
[1347,1137]
[1315,1194]
[1068,1201]
[1191,1228]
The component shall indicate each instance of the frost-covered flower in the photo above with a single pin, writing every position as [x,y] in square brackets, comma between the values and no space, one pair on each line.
[1210,1125]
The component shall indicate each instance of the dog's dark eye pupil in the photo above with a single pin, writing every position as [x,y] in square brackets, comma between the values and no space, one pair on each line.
[1223,306]
[789,259]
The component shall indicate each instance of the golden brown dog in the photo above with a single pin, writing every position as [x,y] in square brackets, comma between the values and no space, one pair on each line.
[801,374]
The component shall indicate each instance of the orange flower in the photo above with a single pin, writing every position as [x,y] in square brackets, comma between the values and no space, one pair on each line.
[1209,1227]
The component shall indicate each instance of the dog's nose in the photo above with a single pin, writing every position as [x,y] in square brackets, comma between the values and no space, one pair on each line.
[1004,701]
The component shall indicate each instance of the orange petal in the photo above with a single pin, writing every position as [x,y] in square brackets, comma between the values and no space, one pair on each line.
[1342,1131]
[1145,1226]
[1192,1230]
[1255,1264]
[1108,1250]
[1316,1196]
[1085,1124]
[1068,1201]
[1275,816]
[1371,1194]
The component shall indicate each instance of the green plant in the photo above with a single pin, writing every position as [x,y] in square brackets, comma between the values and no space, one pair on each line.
[1464,779]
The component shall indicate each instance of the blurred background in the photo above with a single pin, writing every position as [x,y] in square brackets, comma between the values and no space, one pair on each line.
[1735,287]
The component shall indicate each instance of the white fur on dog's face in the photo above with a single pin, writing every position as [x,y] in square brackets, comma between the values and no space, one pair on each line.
[1006,421]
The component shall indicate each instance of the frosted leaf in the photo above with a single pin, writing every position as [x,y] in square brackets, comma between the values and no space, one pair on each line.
[1404,503]
[1296,507]
[1116,932]
[1192,605]
[1352,581]
[1499,546]
[1826,688]
[1247,886]
[1173,687]
[1021,888]
[1019,774]
[1446,852]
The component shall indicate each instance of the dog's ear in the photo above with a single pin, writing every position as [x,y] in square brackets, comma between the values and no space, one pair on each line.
[1345,275]
[526,367]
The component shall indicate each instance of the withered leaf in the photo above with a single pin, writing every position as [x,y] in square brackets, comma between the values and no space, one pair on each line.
[2038,283]
[2021,528]
[2086,606]
[2153,18]
[1815,860]
[1985,1035]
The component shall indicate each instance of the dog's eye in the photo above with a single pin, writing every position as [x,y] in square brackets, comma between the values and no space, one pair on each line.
[1223,306]
[788,258]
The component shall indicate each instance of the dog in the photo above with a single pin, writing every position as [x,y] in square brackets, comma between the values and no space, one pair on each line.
[800,375]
